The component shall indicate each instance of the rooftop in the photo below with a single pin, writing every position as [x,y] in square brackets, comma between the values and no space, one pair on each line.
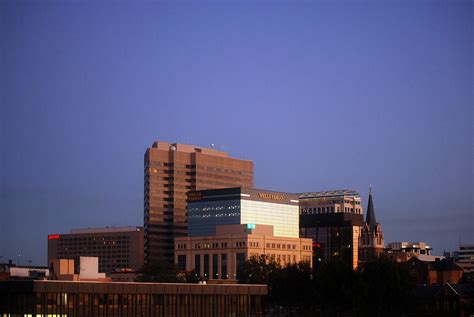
[106,230]
[331,193]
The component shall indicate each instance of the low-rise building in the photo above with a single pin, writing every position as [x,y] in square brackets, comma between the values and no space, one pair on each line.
[10,271]
[79,269]
[409,247]
[67,298]
[219,256]
[434,272]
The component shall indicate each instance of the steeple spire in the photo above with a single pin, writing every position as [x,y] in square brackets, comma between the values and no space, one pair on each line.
[370,218]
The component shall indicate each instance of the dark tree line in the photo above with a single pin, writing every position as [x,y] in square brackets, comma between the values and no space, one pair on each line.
[381,288]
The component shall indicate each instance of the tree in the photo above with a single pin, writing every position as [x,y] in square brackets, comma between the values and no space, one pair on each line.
[159,272]
[386,288]
[336,287]
[256,270]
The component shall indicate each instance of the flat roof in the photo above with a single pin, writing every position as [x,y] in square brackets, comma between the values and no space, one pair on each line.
[71,287]
[107,229]
[242,193]
[329,193]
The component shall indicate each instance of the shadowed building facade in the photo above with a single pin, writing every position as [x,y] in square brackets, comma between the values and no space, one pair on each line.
[170,171]
[333,219]
[84,299]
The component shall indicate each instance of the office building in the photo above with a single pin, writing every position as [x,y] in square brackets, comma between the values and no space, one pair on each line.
[116,247]
[220,255]
[171,170]
[415,248]
[210,208]
[66,298]
[371,244]
[333,220]
[403,251]
[465,257]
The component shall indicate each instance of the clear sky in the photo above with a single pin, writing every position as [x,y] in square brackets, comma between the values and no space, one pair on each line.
[320,95]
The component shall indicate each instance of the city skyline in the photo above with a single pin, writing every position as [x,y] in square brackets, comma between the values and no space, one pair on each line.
[336,97]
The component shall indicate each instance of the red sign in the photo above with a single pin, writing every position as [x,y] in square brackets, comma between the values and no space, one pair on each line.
[316,245]
[53,236]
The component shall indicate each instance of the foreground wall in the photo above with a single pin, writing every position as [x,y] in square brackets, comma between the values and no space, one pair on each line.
[41,298]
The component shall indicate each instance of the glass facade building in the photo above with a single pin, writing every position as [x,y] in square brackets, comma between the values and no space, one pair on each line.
[210,208]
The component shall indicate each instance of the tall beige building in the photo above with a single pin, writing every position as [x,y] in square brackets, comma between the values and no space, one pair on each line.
[171,170]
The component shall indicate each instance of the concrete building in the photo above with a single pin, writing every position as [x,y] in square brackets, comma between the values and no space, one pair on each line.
[465,257]
[333,220]
[82,268]
[10,271]
[117,248]
[209,208]
[171,170]
[404,251]
[65,298]
[219,256]
[371,242]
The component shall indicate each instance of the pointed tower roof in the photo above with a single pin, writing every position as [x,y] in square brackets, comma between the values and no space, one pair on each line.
[370,217]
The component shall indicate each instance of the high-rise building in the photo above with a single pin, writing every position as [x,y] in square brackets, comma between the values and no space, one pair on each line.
[171,170]
[116,247]
[333,219]
[371,244]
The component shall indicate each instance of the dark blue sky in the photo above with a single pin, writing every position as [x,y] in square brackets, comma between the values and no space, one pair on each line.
[321,95]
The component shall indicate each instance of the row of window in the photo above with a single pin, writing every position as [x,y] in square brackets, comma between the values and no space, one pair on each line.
[281,246]
[326,210]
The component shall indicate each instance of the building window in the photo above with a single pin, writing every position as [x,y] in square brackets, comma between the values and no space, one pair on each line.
[206,266]
[197,264]
[224,266]
[215,267]
[182,262]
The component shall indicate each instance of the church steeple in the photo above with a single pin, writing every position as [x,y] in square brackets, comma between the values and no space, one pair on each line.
[370,217]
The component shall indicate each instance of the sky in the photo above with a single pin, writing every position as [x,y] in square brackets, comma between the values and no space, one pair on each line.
[321,95]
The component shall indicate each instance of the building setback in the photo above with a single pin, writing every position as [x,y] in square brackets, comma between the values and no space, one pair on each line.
[171,170]
[116,247]
[333,219]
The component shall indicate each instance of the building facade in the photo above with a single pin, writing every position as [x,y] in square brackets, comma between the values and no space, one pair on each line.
[83,299]
[220,255]
[117,248]
[465,257]
[371,244]
[209,208]
[417,248]
[170,171]
[333,220]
